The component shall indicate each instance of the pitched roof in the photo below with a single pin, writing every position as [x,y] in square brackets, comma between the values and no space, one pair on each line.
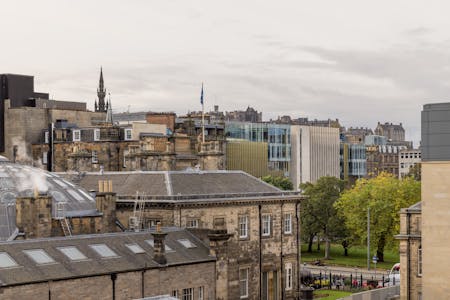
[178,183]
[28,271]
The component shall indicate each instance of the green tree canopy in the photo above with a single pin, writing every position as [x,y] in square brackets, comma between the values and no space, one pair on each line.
[318,213]
[280,182]
[385,195]
[415,171]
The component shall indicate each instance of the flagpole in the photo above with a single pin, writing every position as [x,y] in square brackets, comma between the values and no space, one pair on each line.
[203,117]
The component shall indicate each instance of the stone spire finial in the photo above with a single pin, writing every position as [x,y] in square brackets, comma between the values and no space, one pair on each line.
[101,93]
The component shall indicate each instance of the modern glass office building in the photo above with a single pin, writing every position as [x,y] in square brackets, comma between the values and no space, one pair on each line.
[353,160]
[277,137]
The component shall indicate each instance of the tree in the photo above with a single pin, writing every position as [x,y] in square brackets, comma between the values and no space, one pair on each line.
[318,211]
[415,171]
[385,195]
[280,182]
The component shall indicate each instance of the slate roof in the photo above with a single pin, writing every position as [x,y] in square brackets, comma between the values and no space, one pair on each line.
[178,183]
[28,271]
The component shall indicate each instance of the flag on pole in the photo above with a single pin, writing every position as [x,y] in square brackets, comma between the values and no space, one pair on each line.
[201,96]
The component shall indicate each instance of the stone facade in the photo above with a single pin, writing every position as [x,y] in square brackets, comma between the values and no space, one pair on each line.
[24,126]
[410,253]
[167,119]
[264,255]
[36,217]
[435,228]
[381,159]
[393,132]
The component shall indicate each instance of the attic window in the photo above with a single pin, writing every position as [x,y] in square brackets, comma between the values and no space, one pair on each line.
[103,250]
[187,243]
[39,256]
[72,253]
[7,261]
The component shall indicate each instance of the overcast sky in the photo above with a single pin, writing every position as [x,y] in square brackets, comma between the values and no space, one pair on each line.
[358,61]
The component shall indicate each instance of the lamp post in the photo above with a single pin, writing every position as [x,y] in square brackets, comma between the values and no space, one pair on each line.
[368,238]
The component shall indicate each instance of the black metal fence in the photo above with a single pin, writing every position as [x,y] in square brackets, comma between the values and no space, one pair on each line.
[349,282]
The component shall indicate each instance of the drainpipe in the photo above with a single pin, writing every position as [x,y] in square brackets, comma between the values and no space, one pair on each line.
[281,253]
[142,282]
[408,255]
[297,217]
[113,279]
[260,251]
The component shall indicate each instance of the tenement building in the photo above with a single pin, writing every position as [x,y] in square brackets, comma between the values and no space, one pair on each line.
[155,145]
[24,114]
[255,226]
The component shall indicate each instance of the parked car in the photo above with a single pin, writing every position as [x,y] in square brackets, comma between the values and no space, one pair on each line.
[394,275]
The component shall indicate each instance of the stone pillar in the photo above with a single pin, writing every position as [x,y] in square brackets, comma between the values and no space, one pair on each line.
[34,216]
[159,247]
[218,248]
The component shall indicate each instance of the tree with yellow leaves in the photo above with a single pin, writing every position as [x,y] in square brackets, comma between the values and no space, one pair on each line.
[385,195]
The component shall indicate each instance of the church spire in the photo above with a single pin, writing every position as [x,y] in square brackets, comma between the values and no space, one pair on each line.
[101,93]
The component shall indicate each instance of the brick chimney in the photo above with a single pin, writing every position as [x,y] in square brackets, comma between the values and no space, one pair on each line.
[159,246]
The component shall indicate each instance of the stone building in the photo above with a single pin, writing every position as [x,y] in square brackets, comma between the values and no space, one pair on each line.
[393,132]
[248,115]
[109,266]
[255,225]
[411,252]
[252,229]
[25,113]
[355,135]
[138,146]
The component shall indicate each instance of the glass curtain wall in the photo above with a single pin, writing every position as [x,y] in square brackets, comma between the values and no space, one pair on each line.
[277,136]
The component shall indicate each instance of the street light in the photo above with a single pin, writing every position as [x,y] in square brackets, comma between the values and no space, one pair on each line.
[368,238]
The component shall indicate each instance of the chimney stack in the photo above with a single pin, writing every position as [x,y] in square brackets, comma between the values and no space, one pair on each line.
[159,246]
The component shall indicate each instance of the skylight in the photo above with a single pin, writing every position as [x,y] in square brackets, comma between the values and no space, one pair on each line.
[187,243]
[135,248]
[7,261]
[103,250]
[39,256]
[72,253]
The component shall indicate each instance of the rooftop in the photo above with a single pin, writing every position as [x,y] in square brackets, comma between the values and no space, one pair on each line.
[40,260]
[176,185]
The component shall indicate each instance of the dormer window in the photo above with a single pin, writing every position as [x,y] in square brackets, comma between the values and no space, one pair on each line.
[96,134]
[76,135]
[128,136]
